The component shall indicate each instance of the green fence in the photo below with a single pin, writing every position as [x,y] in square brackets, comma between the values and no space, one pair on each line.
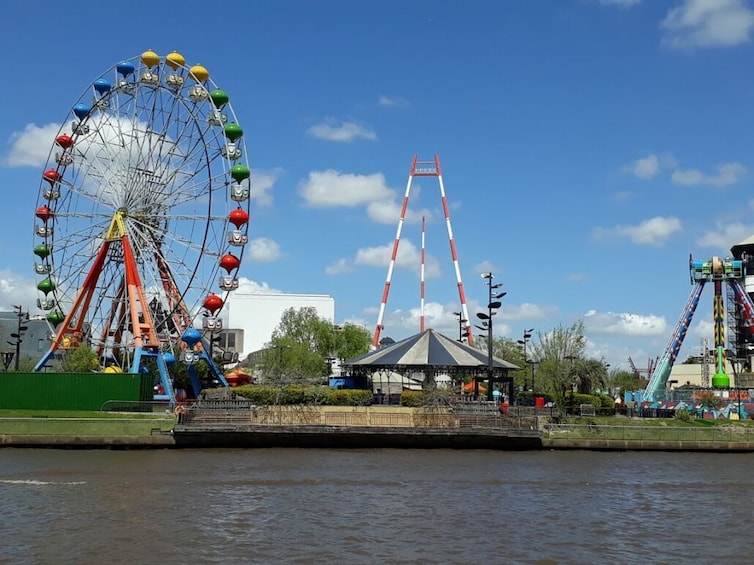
[71,391]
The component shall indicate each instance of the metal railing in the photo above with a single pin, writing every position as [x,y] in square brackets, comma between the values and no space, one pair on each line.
[205,415]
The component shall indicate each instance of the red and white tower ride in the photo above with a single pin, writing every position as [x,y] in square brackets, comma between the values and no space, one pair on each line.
[423,169]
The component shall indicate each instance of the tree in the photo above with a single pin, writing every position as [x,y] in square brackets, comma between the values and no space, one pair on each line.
[82,359]
[352,341]
[559,353]
[302,343]
[622,381]
[507,349]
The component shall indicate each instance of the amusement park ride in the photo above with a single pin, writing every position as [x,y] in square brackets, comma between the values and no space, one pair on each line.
[729,272]
[143,204]
[424,169]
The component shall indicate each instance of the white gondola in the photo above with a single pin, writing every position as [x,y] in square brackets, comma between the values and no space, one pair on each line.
[228,283]
[237,238]
[239,192]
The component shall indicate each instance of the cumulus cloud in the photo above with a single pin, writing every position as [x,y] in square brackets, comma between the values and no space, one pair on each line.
[16,289]
[393,102]
[707,23]
[31,147]
[408,258]
[725,235]
[654,231]
[261,186]
[343,131]
[340,267]
[526,311]
[634,325]
[248,286]
[388,212]
[647,167]
[486,267]
[330,189]
[727,174]
[264,250]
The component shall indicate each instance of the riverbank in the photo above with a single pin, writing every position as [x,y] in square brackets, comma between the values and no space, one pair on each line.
[342,437]
[365,428]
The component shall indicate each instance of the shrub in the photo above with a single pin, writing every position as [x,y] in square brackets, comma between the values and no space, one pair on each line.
[412,398]
[349,397]
[682,415]
[303,394]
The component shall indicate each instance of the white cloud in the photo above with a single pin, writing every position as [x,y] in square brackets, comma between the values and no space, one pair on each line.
[727,174]
[646,167]
[486,267]
[17,289]
[725,236]
[261,186]
[622,3]
[393,102]
[388,212]
[635,325]
[408,257]
[31,147]
[344,131]
[708,23]
[526,311]
[340,267]
[654,231]
[264,250]
[329,189]
[248,286]
[649,166]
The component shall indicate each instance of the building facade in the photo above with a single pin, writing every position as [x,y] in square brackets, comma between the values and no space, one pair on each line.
[252,317]
[35,338]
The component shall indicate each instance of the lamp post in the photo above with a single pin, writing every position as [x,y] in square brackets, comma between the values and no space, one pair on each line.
[492,305]
[570,359]
[461,321]
[18,334]
[523,342]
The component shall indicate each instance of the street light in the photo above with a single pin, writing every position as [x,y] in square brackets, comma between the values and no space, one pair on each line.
[461,321]
[18,334]
[571,359]
[492,305]
[524,342]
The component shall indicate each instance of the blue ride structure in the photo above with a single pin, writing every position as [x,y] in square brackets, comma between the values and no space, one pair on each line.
[720,272]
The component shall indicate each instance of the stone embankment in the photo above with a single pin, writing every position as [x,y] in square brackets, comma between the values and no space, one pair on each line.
[393,427]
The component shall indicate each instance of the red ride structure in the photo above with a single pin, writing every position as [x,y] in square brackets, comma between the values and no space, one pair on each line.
[423,169]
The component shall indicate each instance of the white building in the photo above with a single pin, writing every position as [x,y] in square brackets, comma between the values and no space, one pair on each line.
[252,317]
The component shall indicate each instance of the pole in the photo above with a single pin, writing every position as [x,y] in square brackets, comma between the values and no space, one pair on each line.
[490,366]
[531,366]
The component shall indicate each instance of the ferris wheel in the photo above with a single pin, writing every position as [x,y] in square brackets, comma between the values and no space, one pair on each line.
[142,219]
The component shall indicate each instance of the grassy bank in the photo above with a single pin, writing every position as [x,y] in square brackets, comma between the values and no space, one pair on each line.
[70,422]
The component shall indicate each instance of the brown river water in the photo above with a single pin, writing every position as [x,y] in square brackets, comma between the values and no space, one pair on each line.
[373,507]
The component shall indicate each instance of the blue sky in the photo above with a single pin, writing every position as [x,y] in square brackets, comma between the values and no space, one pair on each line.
[588,147]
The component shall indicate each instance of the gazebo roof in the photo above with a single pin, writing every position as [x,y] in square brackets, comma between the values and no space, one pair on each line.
[428,350]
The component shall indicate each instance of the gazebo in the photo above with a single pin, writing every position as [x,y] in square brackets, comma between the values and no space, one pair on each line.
[430,354]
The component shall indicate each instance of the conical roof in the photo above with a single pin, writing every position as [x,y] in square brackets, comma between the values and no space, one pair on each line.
[428,349]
